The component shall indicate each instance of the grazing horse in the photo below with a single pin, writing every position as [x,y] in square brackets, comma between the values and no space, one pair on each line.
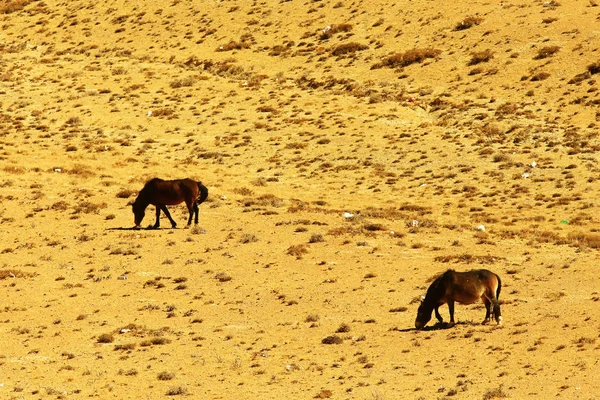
[162,193]
[465,288]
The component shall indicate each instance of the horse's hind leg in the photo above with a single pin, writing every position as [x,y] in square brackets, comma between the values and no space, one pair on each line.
[488,310]
[166,211]
[196,212]
[497,314]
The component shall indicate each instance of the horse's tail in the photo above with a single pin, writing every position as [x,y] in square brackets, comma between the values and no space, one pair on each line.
[499,287]
[203,193]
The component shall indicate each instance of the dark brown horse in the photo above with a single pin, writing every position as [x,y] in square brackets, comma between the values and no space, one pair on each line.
[465,288]
[162,193]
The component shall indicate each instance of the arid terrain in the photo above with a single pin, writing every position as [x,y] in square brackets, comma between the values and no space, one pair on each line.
[353,150]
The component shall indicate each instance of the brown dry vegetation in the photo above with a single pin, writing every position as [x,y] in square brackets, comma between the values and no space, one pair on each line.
[353,151]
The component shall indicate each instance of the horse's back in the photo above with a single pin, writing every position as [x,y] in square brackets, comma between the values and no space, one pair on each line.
[170,192]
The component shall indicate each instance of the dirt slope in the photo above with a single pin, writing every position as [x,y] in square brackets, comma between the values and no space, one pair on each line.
[353,150]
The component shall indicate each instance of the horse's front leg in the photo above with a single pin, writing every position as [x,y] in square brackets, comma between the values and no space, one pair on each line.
[157,223]
[166,211]
[437,314]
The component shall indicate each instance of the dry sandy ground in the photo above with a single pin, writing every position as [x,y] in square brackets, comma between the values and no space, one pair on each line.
[424,120]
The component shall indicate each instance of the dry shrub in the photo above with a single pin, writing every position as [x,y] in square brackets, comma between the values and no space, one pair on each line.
[223,277]
[468,259]
[7,7]
[591,240]
[177,391]
[125,193]
[546,52]
[333,29]
[468,22]
[163,112]
[14,169]
[297,250]
[185,82]
[14,273]
[316,238]
[540,76]
[105,338]
[594,68]
[333,339]
[407,58]
[346,48]
[165,376]
[233,45]
[481,57]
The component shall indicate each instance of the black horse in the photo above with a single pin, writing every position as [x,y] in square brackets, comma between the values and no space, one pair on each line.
[465,288]
[162,193]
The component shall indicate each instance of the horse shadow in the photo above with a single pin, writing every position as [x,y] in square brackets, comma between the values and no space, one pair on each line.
[133,228]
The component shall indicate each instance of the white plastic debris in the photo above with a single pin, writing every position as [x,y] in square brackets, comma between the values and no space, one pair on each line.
[348,215]
[150,113]
[481,228]
[525,175]
[533,164]
[415,223]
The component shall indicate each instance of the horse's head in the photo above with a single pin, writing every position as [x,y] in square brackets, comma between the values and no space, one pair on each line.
[138,213]
[423,315]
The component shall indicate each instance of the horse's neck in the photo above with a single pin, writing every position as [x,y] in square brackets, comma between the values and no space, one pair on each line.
[142,201]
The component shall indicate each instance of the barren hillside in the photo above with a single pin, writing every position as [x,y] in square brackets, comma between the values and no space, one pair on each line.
[352,150]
